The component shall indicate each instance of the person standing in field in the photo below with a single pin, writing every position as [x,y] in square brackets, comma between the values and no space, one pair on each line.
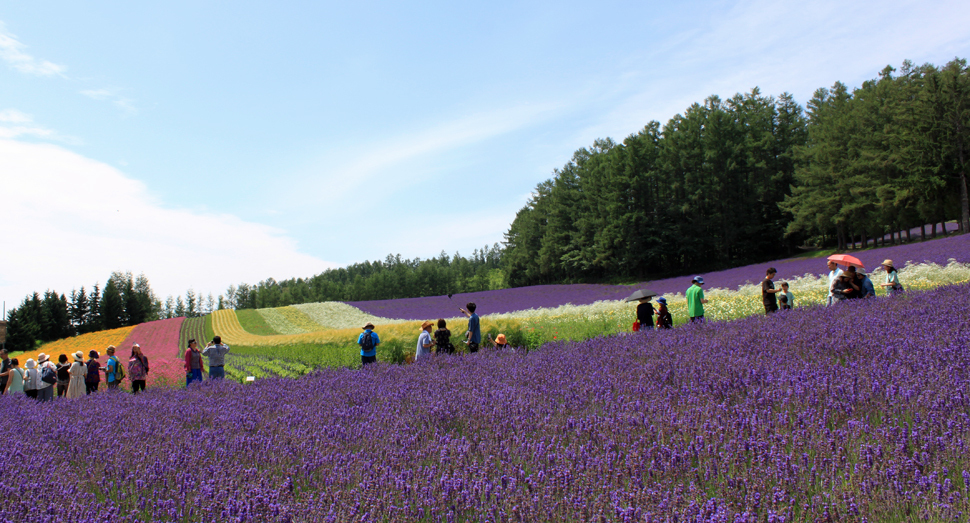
[695,300]
[834,273]
[112,371]
[45,389]
[193,363]
[768,291]
[664,319]
[137,369]
[78,373]
[789,298]
[368,341]
[473,336]
[216,352]
[442,338]
[4,370]
[15,378]
[93,378]
[31,378]
[63,375]
[892,284]
[425,343]
[865,284]
[645,313]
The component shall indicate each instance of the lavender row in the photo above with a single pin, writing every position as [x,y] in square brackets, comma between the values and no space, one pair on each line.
[852,413]
[542,296]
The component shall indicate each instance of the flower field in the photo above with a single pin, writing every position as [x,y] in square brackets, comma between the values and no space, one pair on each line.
[159,341]
[84,343]
[192,329]
[851,413]
[505,301]
[338,315]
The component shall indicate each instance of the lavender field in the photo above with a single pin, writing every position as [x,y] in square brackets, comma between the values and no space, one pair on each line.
[541,296]
[852,413]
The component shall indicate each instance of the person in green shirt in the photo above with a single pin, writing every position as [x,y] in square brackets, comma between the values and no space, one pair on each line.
[695,300]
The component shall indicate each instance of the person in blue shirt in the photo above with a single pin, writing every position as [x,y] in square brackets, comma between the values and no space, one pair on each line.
[368,341]
[111,369]
[474,333]
[868,289]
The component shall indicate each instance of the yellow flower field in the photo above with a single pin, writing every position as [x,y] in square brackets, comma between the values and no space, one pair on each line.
[84,343]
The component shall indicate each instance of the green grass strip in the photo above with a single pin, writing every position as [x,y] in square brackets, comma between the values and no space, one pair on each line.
[254,323]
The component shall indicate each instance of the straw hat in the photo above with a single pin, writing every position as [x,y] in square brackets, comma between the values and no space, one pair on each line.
[888,263]
[78,356]
[426,324]
[500,339]
[368,326]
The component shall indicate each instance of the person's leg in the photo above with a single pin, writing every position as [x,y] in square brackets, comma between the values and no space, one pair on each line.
[473,347]
[217,373]
[46,394]
[31,393]
[137,385]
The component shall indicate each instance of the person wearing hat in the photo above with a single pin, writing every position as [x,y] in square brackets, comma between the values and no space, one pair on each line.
[501,342]
[664,319]
[892,284]
[425,343]
[852,288]
[368,341]
[695,300]
[45,390]
[31,379]
[866,289]
[78,371]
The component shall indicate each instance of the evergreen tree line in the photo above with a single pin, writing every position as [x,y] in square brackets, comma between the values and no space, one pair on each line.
[123,301]
[393,278]
[750,178]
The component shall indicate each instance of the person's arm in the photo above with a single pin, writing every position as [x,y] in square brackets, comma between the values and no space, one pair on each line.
[466,313]
[205,351]
[188,361]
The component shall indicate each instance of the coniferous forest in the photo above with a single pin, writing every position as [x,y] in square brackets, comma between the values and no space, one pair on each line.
[728,182]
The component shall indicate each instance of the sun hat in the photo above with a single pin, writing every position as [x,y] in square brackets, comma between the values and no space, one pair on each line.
[699,279]
[426,324]
[41,358]
[860,270]
[78,356]
[500,339]
[888,262]
[662,300]
[368,326]
[30,363]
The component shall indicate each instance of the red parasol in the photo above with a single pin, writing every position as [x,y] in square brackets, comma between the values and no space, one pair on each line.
[846,260]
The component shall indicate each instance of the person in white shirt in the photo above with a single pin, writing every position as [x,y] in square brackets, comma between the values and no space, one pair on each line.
[834,273]
[424,341]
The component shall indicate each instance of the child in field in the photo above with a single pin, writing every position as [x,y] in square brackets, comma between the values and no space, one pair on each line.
[787,298]
[664,319]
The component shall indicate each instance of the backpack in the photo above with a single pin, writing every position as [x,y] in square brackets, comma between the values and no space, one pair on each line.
[119,369]
[367,342]
[48,375]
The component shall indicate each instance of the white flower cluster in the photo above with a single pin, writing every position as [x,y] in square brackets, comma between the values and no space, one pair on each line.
[337,315]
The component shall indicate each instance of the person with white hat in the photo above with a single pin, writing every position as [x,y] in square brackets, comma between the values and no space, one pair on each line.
[46,369]
[78,371]
[32,379]
[695,300]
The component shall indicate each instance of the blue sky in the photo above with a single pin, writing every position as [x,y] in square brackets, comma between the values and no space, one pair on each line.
[207,143]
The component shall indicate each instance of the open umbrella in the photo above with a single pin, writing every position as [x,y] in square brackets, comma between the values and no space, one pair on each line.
[641,294]
[846,260]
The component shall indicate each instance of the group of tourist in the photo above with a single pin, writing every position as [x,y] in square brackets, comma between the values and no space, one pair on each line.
[42,379]
[432,340]
[851,283]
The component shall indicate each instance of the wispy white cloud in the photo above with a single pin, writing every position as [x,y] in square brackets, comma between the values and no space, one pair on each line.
[127,105]
[70,220]
[12,52]
[15,116]
[23,125]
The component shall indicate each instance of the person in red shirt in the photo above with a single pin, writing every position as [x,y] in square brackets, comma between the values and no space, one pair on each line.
[193,363]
